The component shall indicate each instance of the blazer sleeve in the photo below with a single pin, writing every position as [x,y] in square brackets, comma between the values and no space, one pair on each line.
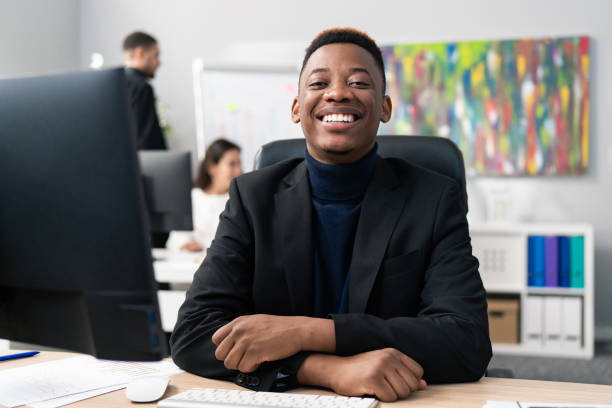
[449,336]
[220,292]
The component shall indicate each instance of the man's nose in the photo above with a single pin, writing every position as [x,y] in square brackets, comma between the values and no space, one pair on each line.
[338,91]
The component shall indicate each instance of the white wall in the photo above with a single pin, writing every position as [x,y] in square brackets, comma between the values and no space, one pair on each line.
[38,37]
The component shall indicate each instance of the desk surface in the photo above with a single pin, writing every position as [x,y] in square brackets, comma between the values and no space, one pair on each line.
[471,395]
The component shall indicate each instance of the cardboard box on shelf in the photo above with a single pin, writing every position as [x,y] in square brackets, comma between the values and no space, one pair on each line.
[504,320]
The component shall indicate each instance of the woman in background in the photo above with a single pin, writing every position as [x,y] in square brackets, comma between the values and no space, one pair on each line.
[208,197]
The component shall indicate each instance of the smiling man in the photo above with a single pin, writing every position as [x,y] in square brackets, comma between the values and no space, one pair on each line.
[344,270]
[341,102]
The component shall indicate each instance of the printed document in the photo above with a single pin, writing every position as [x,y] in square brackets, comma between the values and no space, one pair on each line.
[75,375]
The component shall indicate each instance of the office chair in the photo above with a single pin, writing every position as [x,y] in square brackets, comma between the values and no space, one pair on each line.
[433,153]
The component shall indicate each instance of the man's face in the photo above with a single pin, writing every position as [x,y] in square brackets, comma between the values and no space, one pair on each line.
[340,103]
[150,60]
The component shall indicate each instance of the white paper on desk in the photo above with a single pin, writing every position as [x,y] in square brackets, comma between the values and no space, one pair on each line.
[70,376]
[165,368]
[516,404]
[60,401]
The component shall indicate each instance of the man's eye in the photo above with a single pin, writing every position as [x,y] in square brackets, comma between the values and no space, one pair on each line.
[359,84]
[317,84]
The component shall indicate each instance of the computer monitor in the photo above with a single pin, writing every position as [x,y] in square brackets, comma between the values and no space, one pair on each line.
[75,260]
[167,183]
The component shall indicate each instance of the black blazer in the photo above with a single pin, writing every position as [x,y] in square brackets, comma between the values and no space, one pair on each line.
[414,284]
[149,135]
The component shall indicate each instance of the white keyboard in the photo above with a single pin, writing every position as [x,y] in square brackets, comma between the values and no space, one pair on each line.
[219,398]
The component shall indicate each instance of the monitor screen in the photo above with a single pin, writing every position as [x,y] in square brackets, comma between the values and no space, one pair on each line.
[75,260]
[167,183]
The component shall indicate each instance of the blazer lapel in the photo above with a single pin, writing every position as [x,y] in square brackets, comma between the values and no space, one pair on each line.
[373,233]
[294,208]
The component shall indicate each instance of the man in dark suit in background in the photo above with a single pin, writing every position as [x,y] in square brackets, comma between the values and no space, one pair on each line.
[141,54]
[344,270]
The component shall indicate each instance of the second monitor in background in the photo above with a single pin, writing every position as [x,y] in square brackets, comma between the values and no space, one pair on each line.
[167,183]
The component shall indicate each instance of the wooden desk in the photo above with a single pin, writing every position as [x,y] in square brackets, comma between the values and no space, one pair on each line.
[471,395]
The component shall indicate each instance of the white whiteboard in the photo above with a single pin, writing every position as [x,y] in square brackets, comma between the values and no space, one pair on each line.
[248,106]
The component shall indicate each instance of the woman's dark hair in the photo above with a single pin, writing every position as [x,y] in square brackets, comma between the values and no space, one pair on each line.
[214,153]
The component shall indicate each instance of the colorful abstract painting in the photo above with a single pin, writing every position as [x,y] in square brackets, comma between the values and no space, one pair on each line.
[514,107]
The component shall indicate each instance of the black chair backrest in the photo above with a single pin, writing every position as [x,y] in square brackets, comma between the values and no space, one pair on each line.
[434,153]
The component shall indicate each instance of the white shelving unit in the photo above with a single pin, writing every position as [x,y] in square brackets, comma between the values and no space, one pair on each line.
[502,252]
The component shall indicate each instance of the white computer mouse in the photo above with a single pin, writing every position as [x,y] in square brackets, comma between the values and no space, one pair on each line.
[146,389]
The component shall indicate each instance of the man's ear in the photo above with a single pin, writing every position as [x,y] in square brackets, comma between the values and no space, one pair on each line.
[138,52]
[295,110]
[385,115]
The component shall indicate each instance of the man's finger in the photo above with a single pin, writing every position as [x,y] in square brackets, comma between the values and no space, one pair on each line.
[233,358]
[224,348]
[408,377]
[221,333]
[384,391]
[415,367]
[401,388]
[248,363]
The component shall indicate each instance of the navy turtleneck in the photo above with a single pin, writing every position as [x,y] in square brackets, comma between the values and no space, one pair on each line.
[337,193]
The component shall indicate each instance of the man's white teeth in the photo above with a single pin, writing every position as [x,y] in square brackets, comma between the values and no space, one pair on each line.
[338,117]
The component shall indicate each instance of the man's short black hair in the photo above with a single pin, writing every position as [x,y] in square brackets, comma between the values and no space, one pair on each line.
[138,39]
[351,36]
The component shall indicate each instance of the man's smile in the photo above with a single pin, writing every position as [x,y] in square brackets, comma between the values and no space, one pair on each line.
[338,118]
